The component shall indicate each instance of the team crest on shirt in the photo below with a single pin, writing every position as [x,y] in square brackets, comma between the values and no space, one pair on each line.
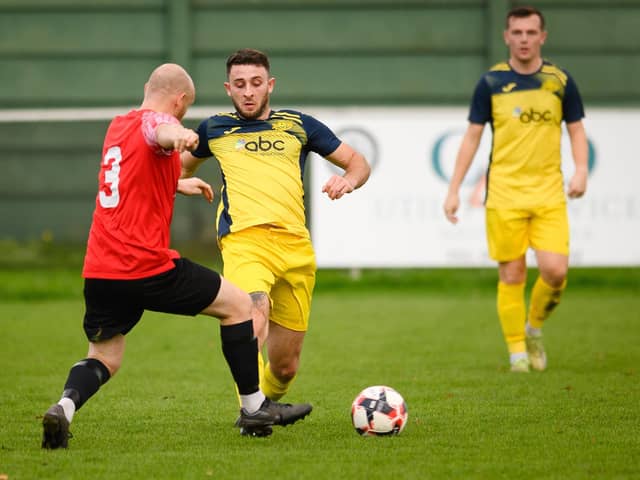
[551,85]
[282,124]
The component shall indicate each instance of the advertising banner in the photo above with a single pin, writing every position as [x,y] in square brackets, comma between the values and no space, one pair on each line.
[396,219]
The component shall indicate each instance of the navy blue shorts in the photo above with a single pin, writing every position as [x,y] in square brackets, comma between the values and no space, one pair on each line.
[116,306]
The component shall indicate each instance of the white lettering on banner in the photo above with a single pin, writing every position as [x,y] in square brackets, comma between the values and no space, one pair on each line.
[610,208]
[396,219]
[406,208]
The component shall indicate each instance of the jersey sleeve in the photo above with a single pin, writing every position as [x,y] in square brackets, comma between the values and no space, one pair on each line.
[572,108]
[480,110]
[320,138]
[203,149]
[150,122]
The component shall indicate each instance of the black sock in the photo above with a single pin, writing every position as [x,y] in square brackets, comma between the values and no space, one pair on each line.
[240,349]
[85,378]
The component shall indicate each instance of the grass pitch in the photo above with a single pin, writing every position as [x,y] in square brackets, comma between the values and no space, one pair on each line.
[432,335]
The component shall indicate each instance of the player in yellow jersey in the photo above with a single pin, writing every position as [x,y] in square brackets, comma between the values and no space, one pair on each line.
[266,247]
[525,100]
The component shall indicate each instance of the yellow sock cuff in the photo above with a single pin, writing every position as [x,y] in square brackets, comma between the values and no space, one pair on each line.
[511,290]
[517,347]
[271,386]
[540,282]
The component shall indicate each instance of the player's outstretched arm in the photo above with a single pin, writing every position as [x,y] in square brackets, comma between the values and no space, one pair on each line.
[580,151]
[175,137]
[467,151]
[195,186]
[356,172]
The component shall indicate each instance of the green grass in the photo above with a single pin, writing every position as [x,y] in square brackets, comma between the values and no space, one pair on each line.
[432,335]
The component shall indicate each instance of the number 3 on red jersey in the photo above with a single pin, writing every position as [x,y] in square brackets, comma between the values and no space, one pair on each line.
[111,178]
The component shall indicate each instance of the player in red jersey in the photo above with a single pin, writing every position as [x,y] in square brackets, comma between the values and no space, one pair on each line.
[129,267]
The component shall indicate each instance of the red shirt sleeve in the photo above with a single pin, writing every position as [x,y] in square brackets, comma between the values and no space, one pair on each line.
[150,122]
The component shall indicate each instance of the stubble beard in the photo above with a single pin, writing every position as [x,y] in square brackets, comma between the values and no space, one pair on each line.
[262,107]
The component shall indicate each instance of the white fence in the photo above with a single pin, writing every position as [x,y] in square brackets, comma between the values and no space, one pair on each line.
[396,219]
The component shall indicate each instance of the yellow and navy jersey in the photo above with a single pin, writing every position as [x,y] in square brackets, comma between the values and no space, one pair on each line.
[526,114]
[262,164]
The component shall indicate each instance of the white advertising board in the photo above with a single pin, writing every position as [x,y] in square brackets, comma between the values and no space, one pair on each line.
[396,219]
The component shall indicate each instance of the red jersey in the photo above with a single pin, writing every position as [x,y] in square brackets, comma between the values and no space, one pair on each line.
[138,180]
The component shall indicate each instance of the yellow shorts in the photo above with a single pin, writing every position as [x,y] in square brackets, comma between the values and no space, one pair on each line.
[269,259]
[511,231]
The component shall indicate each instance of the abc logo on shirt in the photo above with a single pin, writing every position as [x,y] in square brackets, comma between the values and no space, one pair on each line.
[260,145]
[532,115]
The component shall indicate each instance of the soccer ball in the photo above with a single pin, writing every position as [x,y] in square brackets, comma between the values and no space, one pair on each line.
[379,410]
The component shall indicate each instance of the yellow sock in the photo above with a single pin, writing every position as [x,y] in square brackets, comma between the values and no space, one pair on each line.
[271,386]
[511,311]
[260,375]
[260,367]
[544,299]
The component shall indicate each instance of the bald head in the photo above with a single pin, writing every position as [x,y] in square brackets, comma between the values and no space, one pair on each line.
[168,79]
[167,84]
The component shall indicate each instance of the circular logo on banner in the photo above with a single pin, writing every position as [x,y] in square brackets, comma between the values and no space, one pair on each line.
[362,141]
[444,152]
[445,149]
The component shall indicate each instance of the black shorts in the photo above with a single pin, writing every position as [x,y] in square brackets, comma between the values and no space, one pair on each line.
[115,306]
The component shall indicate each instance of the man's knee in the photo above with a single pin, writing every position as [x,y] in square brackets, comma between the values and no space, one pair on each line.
[285,372]
[513,272]
[109,352]
[284,367]
[112,362]
[555,275]
[554,270]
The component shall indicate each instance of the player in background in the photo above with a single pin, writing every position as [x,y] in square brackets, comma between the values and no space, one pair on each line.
[130,268]
[261,225]
[525,100]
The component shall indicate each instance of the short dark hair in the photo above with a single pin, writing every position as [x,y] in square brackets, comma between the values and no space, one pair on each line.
[523,12]
[248,56]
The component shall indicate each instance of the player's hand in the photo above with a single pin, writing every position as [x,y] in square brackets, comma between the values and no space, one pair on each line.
[195,186]
[451,204]
[186,139]
[336,187]
[577,184]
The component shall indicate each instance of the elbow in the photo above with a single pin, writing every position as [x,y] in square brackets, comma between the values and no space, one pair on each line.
[363,172]
[367,172]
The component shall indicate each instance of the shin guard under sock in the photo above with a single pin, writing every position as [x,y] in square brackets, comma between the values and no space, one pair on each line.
[544,299]
[84,380]
[240,349]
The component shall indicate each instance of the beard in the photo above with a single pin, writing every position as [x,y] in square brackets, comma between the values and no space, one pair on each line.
[255,114]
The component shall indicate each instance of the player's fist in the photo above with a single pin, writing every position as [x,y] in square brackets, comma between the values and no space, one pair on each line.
[187,139]
[451,204]
[336,187]
[578,184]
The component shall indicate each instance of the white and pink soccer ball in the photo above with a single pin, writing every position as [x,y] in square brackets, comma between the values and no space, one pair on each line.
[379,410]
